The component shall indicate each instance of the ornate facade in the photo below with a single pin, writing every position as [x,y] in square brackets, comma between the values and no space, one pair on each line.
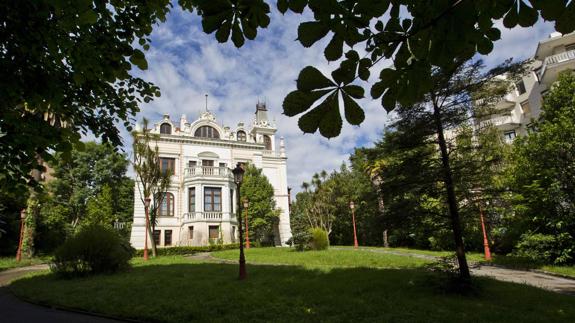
[200,206]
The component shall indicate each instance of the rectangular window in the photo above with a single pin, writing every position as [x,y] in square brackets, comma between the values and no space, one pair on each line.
[233,233]
[526,108]
[192,163]
[212,199]
[214,231]
[168,165]
[231,200]
[156,236]
[191,232]
[509,136]
[167,237]
[520,87]
[207,163]
[167,204]
[191,199]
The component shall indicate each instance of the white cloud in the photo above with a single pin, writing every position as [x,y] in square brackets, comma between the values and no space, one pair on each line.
[186,64]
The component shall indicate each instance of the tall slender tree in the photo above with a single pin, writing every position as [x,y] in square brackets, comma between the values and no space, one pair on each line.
[151,182]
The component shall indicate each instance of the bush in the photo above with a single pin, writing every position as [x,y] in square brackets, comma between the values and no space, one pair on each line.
[545,248]
[300,240]
[92,250]
[187,250]
[319,239]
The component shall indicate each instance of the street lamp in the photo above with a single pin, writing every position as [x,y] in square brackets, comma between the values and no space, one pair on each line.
[21,241]
[147,207]
[238,178]
[352,207]
[485,241]
[246,206]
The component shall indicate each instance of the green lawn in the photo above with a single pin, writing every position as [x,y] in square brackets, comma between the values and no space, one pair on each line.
[177,289]
[10,262]
[324,259]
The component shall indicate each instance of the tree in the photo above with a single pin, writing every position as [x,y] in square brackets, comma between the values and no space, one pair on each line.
[262,214]
[83,175]
[99,209]
[152,183]
[74,76]
[542,175]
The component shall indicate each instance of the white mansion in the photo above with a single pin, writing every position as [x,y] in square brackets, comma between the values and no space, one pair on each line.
[200,205]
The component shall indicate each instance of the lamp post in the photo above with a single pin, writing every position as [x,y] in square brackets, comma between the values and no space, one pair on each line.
[246,206]
[485,241]
[238,178]
[147,207]
[21,241]
[352,207]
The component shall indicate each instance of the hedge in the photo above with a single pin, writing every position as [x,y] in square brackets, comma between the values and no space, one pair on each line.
[188,250]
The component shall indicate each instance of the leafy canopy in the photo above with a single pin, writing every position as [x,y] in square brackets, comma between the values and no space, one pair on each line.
[67,66]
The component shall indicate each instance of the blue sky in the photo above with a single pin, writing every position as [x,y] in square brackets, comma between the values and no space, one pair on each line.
[187,64]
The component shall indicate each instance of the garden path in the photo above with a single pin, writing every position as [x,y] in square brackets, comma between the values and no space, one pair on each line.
[14,310]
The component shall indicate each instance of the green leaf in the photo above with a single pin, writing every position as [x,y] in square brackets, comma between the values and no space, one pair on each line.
[377,89]
[310,78]
[237,35]
[89,17]
[297,101]
[550,9]
[282,6]
[389,100]
[352,55]
[493,34]
[484,46]
[310,32]
[345,73]
[511,18]
[353,112]
[331,123]
[566,24]
[249,31]
[334,49]
[527,15]
[223,34]
[355,91]
[297,5]
[139,59]
[211,23]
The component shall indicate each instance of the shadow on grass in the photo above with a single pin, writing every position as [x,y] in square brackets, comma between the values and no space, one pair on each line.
[181,292]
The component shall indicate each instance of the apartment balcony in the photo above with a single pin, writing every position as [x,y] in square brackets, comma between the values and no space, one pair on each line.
[501,122]
[208,172]
[209,217]
[554,64]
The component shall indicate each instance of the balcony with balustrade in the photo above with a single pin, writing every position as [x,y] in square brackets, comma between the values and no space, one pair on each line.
[554,64]
[209,217]
[208,172]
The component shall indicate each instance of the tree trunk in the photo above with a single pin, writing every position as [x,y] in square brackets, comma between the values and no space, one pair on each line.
[451,198]
[151,229]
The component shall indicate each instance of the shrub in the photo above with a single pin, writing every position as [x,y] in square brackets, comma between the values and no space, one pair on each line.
[300,240]
[189,250]
[93,249]
[545,248]
[319,239]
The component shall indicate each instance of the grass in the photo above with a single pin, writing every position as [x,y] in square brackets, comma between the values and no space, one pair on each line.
[177,289]
[326,259]
[10,262]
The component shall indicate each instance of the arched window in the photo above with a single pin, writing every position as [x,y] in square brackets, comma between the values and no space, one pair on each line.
[241,135]
[268,142]
[166,207]
[166,128]
[207,132]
